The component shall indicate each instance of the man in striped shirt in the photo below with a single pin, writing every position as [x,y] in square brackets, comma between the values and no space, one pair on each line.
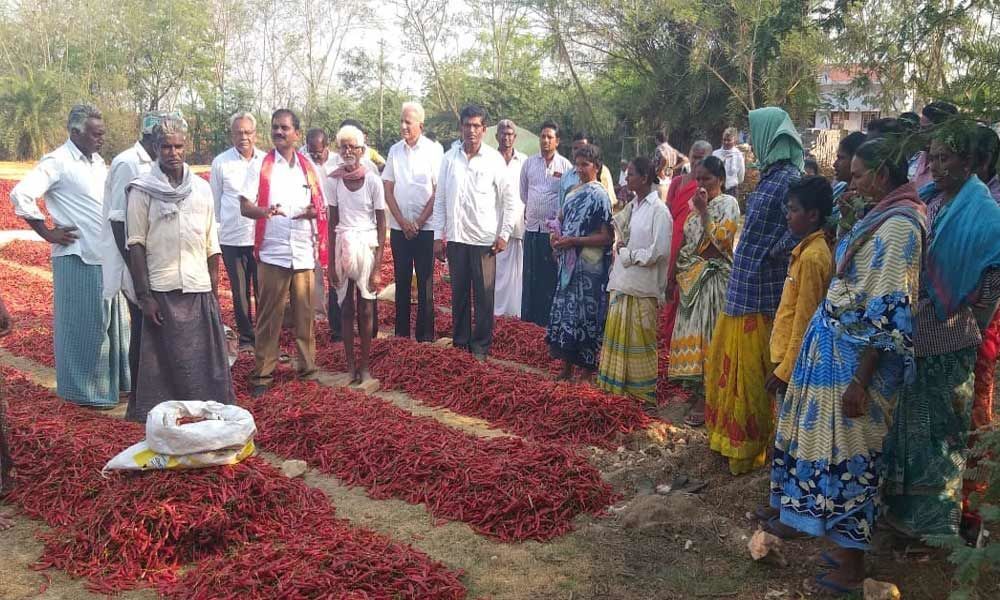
[540,177]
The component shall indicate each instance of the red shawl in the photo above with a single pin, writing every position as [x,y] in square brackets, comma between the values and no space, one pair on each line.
[315,196]
[679,203]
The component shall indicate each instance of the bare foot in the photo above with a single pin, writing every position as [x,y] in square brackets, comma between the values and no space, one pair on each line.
[5,521]
[364,376]
[566,373]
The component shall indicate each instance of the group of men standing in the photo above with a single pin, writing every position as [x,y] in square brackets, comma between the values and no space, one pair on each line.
[136,249]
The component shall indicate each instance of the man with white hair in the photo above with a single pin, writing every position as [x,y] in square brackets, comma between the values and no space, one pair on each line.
[410,179]
[356,211]
[133,162]
[317,149]
[229,171]
[474,212]
[507,301]
[91,336]
[284,195]
[174,260]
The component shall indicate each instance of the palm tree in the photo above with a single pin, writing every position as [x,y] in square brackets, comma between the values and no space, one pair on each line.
[30,108]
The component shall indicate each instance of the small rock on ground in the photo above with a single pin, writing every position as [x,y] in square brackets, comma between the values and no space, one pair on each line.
[881,590]
[294,468]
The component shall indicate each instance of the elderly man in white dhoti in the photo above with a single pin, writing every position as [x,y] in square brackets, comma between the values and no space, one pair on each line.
[356,221]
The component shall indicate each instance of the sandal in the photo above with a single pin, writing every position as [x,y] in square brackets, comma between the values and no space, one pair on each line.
[820,586]
[775,527]
[694,419]
[827,561]
[765,513]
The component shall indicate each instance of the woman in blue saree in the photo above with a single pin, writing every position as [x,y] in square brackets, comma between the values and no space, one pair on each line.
[582,243]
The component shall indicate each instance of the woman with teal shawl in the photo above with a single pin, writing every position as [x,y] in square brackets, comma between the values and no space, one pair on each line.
[738,413]
[583,249]
[959,286]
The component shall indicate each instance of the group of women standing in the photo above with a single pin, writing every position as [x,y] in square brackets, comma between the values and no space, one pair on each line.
[878,408]
[877,412]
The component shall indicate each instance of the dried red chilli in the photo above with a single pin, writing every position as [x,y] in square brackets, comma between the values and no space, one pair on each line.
[26,252]
[133,530]
[506,488]
[9,220]
[507,397]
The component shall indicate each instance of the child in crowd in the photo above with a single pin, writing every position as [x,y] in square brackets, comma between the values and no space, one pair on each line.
[810,201]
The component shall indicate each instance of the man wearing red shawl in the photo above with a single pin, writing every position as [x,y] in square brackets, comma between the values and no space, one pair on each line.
[282,193]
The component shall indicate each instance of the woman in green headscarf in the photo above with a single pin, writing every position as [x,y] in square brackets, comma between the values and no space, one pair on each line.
[737,407]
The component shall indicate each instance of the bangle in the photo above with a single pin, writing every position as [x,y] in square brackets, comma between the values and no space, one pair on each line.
[854,379]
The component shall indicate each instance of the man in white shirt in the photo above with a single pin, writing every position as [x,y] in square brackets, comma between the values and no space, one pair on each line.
[410,178]
[173,241]
[91,339]
[283,193]
[133,162]
[539,191]
[507,301]
[732,158]
[474,212]
[236,232]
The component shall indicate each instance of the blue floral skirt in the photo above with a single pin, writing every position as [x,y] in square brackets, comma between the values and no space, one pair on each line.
[576,325]
[827,467]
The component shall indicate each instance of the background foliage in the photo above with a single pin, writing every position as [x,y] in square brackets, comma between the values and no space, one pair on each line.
[621,69]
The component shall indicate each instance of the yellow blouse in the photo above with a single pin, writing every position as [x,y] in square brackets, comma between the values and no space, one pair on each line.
[809,274]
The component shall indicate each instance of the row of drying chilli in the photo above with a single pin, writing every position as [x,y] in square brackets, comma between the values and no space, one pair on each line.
[244,531]
[528,405]
[367,441]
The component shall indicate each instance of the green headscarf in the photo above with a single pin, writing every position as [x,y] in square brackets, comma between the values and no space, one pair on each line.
[773,137]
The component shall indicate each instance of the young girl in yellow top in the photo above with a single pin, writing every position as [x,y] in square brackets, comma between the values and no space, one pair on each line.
[810,201]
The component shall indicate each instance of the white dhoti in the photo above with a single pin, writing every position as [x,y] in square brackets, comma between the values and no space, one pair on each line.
[354,259]
[510,266]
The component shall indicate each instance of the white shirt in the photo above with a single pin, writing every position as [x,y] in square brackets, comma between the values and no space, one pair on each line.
[287,243]
[539,188]
[229,173]
[413,170]
[471,193]
[73,187]
[177,246]
[514,169]
[124,168]
[735,165]
[356,210]
[641,267]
